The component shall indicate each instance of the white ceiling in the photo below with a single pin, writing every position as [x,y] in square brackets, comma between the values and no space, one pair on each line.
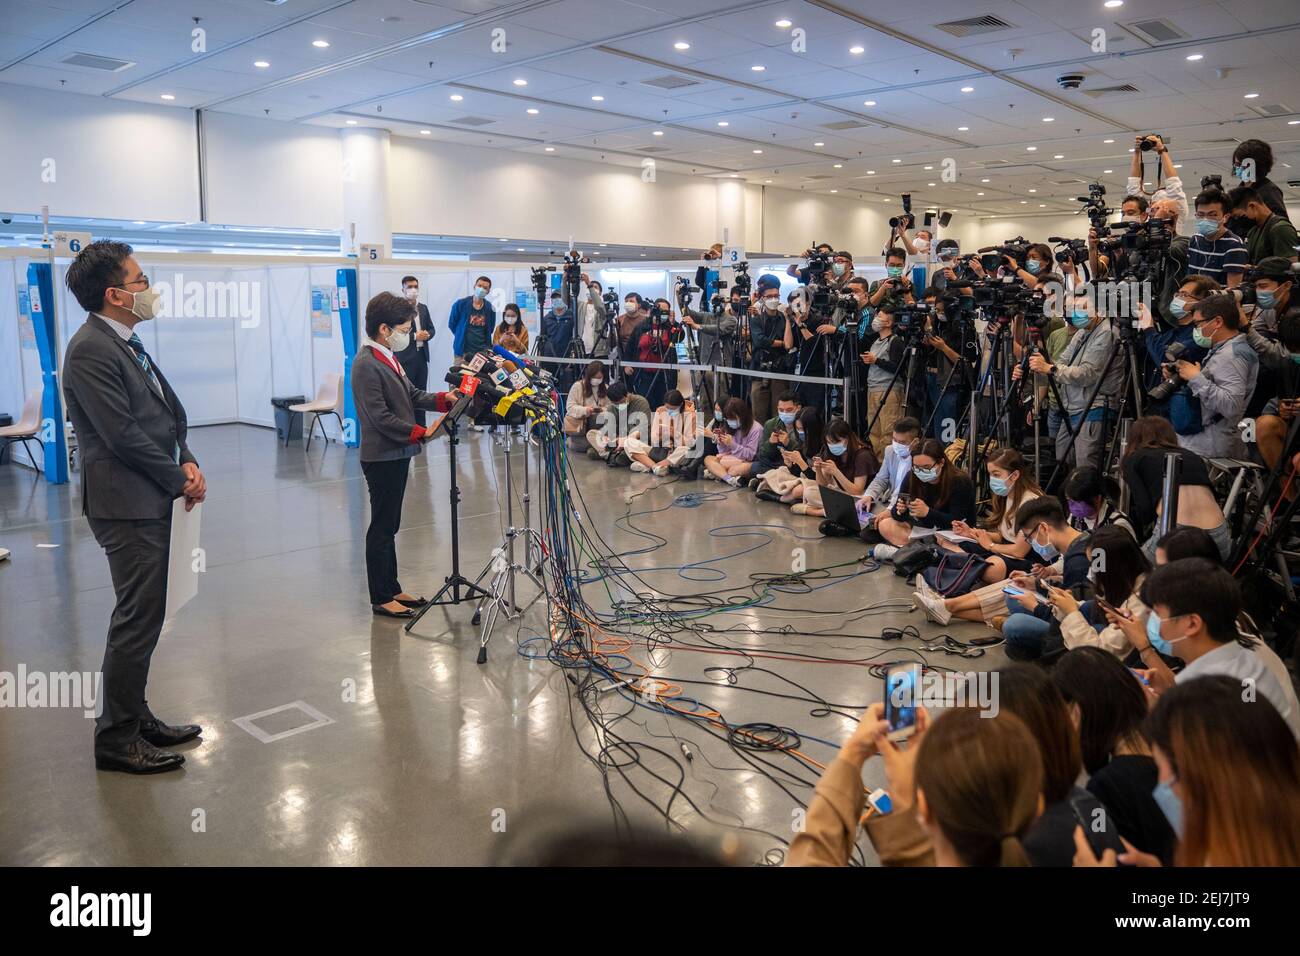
[395,64]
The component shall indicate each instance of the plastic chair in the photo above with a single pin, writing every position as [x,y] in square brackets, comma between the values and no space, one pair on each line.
[26,430]
[328,401]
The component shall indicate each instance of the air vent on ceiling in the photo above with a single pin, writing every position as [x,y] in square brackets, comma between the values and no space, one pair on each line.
[846,124]
[92,62]
[1122,89]
[473,121]
[1067,182]
[974,26]
[1271,109]
[655,149]
[1155,31]
[670,81]
[818,176]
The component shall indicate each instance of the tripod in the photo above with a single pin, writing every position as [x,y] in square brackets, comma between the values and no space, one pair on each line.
[454,582]
[503,564]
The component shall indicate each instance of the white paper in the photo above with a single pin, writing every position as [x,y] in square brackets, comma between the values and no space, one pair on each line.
[185,562]
[922,532]
[953,536]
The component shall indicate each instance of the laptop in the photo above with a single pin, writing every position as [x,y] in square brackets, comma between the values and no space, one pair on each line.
[841,508]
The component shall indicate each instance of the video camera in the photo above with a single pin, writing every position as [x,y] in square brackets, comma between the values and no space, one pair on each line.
[1094,204]
[907,220]
[991,256]
[1008,297]
[1072,250]
[1147,244]
[1245,292]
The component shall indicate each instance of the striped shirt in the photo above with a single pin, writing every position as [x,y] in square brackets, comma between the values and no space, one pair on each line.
[1216,257]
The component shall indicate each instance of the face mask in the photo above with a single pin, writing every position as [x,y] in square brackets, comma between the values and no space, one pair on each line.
[674,412]
[920,245]
[1082,510]
[928,475]
[1267,298]
[1032,266]
[901,450]
[837,448]
[1157,639]
[787,418]
[999,486]
[1170,806]
[1239,172]
[894,271]
[619,406]
[877,325]
[838,268]
[1207,227]
[629,307]
[733,423]
[1128,219]
[412,293]
[1178,307]
[1079,319]
[717,414]
[1201,339]
[398,341]
[799,434]
[1047,551]
[144,305]
[597,382]
[772,303]
[480,293]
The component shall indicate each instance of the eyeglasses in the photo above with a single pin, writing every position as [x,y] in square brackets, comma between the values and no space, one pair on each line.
[143,278]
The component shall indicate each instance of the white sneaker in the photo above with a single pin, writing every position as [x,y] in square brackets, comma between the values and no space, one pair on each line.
[884,552]
[933,607]
[660,469]
[639,467]
[732,480]
[923,586]
[4,554]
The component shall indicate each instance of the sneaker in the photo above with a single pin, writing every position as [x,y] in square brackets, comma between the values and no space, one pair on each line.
[752,484]
[639,467]
[924,586]
[997,621]
[799,508]
[732,480]
[708,475]
[884,552]
[660,469]
[933,607]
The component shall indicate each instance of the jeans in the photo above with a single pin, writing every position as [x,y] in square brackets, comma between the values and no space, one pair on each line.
[1025,634]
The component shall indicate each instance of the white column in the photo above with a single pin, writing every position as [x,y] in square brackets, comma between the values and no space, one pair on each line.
[731,213]
[365,189]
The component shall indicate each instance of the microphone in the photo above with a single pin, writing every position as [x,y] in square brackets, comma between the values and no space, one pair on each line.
[502,352]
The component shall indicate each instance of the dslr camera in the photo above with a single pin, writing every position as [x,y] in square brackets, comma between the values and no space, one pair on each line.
[906,220]
[1165,389]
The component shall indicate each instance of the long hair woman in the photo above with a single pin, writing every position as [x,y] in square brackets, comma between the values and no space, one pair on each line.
[511,332]
[844,462]
[1150,439]
[937,493]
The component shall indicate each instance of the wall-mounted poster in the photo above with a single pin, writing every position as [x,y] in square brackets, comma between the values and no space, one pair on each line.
[26,331]
[322,311]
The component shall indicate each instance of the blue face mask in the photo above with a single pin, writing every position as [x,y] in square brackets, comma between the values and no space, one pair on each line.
[1239,172]
[1207,227]
[1201,339]
[674,412]
[999,486]
[894,270]
[1032,266]
[928,475]
[1178,307]
[1170,806]
[837,449]
[787,418]
[1079,318]
[733,423]
[1267,298]
[1047,552]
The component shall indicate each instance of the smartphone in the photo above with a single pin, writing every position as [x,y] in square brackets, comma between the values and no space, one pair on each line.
[902,695]
[1098,826]
[1013,591]
[1142,678]
[904,500]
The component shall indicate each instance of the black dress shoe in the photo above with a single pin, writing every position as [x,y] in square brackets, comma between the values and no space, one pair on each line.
[381,611]
[165,735]
[413,602]
[139,756]
[833,529]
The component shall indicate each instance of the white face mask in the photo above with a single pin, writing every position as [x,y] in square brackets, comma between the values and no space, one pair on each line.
[145,304]
[920,245]
[412,293]
[629,307]
[771,303]
[398,341]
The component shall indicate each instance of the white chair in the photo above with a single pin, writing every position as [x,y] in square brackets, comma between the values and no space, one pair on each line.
[26,430]
[328,401]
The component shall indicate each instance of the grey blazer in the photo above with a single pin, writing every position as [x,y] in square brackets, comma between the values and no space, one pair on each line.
[386,403]
[129,430]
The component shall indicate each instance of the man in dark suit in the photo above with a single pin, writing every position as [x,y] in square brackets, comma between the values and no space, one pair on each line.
[131,429]
[414,359]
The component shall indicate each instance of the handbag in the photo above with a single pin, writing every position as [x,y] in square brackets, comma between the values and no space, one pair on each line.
[955,574]
[915,556]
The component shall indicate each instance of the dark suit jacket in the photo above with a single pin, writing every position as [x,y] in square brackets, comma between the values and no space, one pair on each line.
[127,430]
[386,403]
[415,358]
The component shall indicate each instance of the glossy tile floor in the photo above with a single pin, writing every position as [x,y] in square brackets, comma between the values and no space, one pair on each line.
[429,755]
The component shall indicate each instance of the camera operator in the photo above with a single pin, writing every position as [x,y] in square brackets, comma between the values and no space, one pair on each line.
[591,317]
[1132,209]
[1077,370]
[1224,382]
[1073,274]
[714,331]
[1272,423]
[634,316]
[1038,262]
[1252,161]
[771,339]
[556,328]
[1159,339]
[896,290]
[1274,282]
[1214,251]
[1270,234]
[804,275]
[883,358]
[1264,324]
[655,344]
[841,269]
[1171,184]
[946,383]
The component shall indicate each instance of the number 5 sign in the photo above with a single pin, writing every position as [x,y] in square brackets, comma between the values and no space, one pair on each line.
[371,253]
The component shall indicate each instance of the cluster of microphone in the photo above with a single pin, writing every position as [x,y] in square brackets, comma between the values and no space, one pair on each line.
[511,385]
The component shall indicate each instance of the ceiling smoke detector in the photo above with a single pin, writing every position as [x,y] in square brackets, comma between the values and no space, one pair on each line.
[1070,81]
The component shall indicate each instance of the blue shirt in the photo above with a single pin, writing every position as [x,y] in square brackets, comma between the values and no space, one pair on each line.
[1216,258]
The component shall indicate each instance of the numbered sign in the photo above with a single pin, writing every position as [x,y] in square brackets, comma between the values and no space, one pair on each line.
[371,253]
[732,255]
[69,244]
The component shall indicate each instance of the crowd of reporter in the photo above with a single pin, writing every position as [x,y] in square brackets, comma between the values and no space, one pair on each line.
[1141,691]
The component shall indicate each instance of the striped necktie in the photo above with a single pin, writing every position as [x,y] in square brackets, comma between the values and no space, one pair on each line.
[141,355]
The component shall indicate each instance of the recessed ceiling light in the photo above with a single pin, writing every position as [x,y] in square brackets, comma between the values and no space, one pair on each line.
[1033,190]
[968,89]
[426,132]
[1107,172]
[681,45]
[783,23]
[758,68]
[1042,205]
[1108,141]
[857,49]
[1059,156]
[871,172]
[734,176]
[352,122]
[603,245]
[984,180]
[138,222]
[503,240]
[1024,202]
[1112,4]
[1178,165]
[767,180]
[758,152]
[1049,119]
[1030,149]
[520,249]
[868,102]
[723,123]
[261,64]
[834,190]
[963,129]
[819,144]
[320,44]
[931,185]
[521,82]
[979,194]
[895,160]
[598,99]
[168,96]
[456,97]
[929,167]
[532,111]
[1195,56]
[550,149]
[1251,96]
[1293,122]
[657,132]
[838,166]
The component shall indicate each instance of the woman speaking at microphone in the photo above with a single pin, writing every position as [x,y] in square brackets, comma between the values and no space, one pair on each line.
[386,402]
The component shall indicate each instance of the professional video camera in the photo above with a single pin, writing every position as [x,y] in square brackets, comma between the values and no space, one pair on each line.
[610,300]
[991,256]
[1147,244]
[1074,250]
[907,220]
[1007,297]
[1214,180]
[540,283]
[573,263]
[1245,292]
[1094,204]
[1165,389]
